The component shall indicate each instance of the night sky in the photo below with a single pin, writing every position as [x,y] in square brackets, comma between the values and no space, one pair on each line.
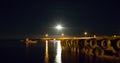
[22,18]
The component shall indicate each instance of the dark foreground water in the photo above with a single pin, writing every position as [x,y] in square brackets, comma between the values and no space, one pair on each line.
[15,51]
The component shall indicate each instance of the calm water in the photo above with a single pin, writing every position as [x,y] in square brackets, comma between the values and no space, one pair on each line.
[14,51]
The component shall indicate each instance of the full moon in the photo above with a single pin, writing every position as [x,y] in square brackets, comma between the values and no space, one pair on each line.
[59,27]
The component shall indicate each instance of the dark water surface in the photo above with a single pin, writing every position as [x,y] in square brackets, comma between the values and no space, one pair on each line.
[15,51]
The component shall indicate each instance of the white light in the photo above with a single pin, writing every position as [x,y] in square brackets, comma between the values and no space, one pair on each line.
[59,27]
[58,54]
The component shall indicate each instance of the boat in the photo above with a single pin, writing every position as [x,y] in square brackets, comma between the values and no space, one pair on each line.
[28,41]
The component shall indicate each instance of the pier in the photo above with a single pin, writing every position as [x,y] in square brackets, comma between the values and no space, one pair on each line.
[95,46]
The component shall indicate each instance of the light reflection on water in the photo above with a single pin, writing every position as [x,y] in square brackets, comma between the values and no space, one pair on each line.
[14,51]
[55,51]
[55,54]
[58,51]
[46,52]
[58,55]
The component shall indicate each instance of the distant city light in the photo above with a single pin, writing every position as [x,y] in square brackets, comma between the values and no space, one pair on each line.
[59,27]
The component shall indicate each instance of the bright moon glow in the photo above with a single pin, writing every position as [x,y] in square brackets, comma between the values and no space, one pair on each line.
[59,27]
[58,55]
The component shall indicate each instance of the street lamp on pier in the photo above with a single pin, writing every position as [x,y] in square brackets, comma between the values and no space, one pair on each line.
[85,33]
[62,34]
[46,35]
